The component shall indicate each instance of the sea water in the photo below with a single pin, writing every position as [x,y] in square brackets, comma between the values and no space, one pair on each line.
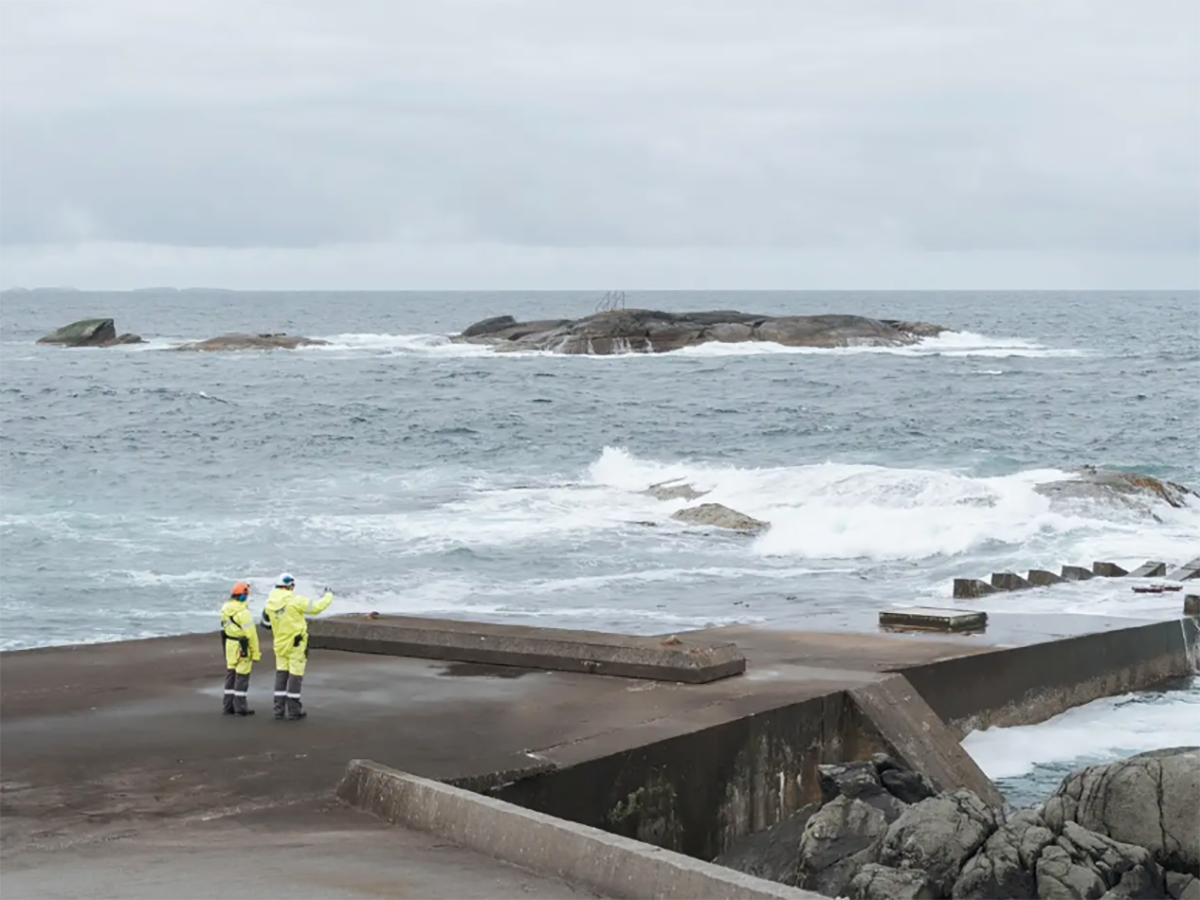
[413,474]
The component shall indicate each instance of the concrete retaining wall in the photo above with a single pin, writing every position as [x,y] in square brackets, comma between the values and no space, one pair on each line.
[698,791]
[609,864]
[1027,685]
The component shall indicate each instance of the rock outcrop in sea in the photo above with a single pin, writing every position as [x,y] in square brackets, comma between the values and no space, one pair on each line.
[90,333]
[654,331]
[227,342]
[1129,489]
[1129,829]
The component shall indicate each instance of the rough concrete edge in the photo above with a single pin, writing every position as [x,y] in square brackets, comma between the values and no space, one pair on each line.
[921,741]
[696,666]
[613,865]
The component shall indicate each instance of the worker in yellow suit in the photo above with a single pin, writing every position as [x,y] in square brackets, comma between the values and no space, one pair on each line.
[240,637]
[285,614]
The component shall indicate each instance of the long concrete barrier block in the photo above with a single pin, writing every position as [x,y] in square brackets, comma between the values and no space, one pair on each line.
[1008,581]
[610,864]
[1108,570]
[660,658]
[1077,573]
[1150,569]
[1187,571]
[971,589]
[920,739]
[1042,578]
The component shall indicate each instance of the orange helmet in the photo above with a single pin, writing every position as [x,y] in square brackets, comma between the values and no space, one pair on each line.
[240,588]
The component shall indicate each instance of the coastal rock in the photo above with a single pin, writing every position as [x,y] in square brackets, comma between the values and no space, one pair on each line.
[1004,866]
[719,516]
[226,342]
[1182,887]
[1128,489]
[669,490]
[906,786]
[876,882]
[655,331]
[938,835]
[837,842]
[89,333]
[858,781]
[1149,800]
[1083,864]
[772,853]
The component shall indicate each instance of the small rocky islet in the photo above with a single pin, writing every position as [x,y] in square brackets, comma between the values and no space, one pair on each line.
[654,331]
[1118,831]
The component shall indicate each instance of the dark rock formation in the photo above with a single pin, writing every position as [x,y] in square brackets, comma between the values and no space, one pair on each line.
[1151,800]
[90,333]
[227,342]
[876,882]
[953,845]
[654,331]
[1126,488]
[938,836]
[719,516]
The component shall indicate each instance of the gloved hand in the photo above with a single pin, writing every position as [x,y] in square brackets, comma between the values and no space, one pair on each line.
[257,657]
[327,590]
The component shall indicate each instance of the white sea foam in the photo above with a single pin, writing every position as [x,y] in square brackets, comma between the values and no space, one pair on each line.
[950,344]
[1101,731]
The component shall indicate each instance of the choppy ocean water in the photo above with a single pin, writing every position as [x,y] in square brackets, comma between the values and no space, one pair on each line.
[415,475]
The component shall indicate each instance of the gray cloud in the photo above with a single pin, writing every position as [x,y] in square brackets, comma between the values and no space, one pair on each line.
[1059,132]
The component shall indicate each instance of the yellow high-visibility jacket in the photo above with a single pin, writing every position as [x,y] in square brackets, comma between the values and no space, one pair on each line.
[285,613]
[241,637]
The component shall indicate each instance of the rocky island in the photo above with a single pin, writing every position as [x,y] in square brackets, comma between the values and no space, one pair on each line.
[653,331]
[89,333]
[227,342]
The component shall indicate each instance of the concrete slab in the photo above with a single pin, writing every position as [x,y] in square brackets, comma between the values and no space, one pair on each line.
[1077,573]
[927,618]
[665,658]
[610,864]
[1108,570]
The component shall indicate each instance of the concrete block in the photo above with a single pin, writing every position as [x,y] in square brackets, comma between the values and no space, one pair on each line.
[1108,570]
[1042,578]
[1008,581]
[919,739]
[1077,573]
[1187,571]
[1191,605]
[661,658]
[611,865]
[926,618]
[1151,569]
[971,589]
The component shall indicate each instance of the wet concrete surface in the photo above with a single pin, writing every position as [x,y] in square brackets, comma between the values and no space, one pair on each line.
[314,850]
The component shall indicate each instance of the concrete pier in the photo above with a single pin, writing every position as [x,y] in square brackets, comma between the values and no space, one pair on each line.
[121,746]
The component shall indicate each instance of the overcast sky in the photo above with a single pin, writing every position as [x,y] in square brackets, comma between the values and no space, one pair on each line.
[618,144]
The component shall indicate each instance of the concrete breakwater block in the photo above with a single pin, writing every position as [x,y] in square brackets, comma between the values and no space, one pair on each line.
[1108,570]
[661,658]
[1008,581]
[971,589]
[927,618]
[1077,573]
[1042,578]
[1187,571]
[1191,605]
[609,864]
[1151,569]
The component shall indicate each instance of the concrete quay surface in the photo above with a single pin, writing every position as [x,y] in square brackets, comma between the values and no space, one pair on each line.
[122,745]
